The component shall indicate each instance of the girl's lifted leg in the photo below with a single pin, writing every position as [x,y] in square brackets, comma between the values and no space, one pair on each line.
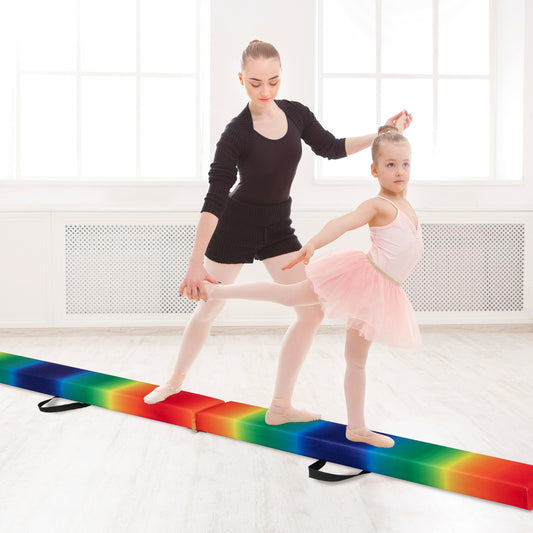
[296,294]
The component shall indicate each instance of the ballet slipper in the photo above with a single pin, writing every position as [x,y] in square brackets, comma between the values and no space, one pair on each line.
[210,288]
[369,437]
[291,415]
[172,386]
[161,393]
[281,412]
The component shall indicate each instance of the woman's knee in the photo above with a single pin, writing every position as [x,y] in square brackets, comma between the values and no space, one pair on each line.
[311,314]
[206,312]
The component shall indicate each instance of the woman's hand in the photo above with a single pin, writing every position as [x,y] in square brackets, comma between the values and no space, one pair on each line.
[192,286]
[304,254]
[401,120]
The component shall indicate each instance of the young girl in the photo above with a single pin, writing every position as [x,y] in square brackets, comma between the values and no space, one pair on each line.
[261,147]
[362,289]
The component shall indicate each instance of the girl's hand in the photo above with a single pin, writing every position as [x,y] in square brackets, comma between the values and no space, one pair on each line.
[192,286]
[401,120]
[304,254]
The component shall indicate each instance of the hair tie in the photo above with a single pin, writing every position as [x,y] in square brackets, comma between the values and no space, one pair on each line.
[387,129]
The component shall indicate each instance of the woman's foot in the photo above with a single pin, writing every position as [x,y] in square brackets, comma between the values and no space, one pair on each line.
[281,412]
[161,393]
[172,386]
[369,437]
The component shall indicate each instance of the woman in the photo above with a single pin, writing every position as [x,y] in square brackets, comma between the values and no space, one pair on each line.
[263,143]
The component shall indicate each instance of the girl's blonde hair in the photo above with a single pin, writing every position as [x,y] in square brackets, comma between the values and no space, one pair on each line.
[386,133]
[259,50]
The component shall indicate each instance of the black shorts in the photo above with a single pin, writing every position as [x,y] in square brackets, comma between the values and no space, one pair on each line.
[246,232]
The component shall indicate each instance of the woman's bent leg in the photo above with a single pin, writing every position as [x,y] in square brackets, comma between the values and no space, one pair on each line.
[295,345]
[196,333]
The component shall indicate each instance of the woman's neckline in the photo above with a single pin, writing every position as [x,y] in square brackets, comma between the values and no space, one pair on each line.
[264,136]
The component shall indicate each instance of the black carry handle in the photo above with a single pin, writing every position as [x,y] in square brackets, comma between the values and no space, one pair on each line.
[316,473]
[59,408]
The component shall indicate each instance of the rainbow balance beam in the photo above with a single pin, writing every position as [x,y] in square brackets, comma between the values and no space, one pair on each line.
[455,470]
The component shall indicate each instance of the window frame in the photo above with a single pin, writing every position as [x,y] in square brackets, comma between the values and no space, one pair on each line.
[201,76]
[492,179]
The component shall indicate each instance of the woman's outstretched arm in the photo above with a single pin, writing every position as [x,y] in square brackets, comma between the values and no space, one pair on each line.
[356,144]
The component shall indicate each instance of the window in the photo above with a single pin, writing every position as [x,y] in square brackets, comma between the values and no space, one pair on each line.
[456,65]
[107,89]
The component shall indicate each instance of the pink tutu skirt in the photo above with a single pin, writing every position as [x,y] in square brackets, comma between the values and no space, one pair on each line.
[352,290]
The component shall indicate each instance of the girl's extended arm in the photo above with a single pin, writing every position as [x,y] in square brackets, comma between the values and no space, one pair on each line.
[196,273]
[334,229]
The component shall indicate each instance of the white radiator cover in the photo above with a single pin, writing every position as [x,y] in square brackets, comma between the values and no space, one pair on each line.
[123,268]
[469,268]
[126,268]
[136,269]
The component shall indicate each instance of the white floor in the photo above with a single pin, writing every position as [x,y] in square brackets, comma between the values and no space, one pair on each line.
[96,470]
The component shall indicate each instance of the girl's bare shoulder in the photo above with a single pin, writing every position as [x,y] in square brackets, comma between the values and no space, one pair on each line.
[371,204]
[383,212]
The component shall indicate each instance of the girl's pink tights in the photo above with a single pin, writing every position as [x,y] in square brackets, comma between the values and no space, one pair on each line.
[356,354]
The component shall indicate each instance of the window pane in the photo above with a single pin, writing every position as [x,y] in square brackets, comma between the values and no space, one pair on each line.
[48,126]
[408,51]
[168,36]
[168,125]
[349,36]
[108,41]
[7,130]
[416,96]
[7,97]
[108,126]
[463,143]
[464,36]
[47,39]
[509,87]
[349,110]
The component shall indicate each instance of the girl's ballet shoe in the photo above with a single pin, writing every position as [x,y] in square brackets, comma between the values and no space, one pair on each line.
[369,437]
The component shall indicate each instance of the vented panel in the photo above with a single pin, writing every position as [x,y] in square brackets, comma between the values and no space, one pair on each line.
[469,268]
[127,269]
[137,269]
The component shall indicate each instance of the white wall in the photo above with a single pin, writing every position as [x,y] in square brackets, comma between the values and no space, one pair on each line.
[30,273]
